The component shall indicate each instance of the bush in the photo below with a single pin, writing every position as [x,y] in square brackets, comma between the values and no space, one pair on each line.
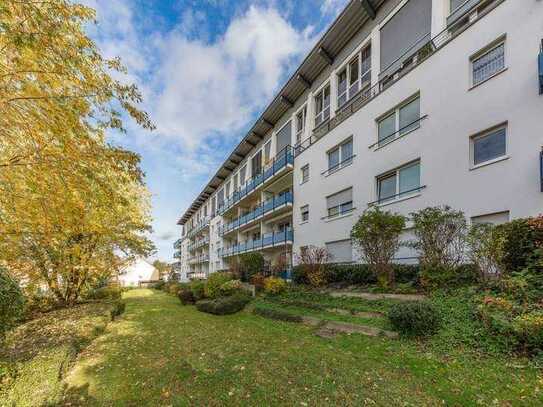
[214,283]
[198,289]
[274,285]
[519,243]
[11,302]
[118,309]
[186,297]
[276,314]
[37,302]
[313,262]
[224,305]
[158,285]
[250,264]
[104,293]
[258,281]
[230,288]
[173,287]
[528,329]
[415,318]
[433,277]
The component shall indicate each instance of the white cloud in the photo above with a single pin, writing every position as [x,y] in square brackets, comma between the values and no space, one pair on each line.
[333,7]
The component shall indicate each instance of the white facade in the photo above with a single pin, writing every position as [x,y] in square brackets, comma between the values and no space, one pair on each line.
[474,143]
[137,272]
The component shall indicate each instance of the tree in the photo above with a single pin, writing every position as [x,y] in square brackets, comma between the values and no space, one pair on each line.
[377,238]
[485,248]
[250,264]
[313,260]
[70,203]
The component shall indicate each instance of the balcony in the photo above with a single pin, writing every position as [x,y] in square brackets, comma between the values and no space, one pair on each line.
[413,57]
[199,243]
[266,208]
[203,224]
[267,241]
[279,165]
[178,243]
[204,258]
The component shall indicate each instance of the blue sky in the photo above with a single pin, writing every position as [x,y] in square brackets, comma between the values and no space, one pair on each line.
[207,69]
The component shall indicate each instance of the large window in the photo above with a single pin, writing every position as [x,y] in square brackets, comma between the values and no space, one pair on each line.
[300,124]
[267,152]
[322,106]
[283,138]
[489,146]
[488,64]
[340,203]
[340,156]
[399,183]
[304,211]
[340,251]
[402,120]
[355,76]
[242,175]
[256,164]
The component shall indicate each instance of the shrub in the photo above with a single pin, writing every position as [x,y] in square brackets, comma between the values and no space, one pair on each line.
[230,288]
[313,263]
[158,285]
[104,293]
[276,314]
[485,245]
[174,287]
[185,296]
[418,318]
[118,309]
[376,235]
[198,289]
[37,302]
[440,234]
[528,329]
[224,305]
[519,244]
[433,277]
[250,264]
[258,281]
[11,302]
[274,285]
[214,283]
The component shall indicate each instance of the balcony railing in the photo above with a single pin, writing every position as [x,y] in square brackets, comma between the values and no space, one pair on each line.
[198,244]
[199,259]
[198,227]
[416,55]
[268,240]
[178,243]
[281,161]
[267,207]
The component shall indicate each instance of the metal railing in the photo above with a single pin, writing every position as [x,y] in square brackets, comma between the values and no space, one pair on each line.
[198,244]
[395,197]
[267,240]
[267,207]
[413,57]
[398,133]
[198,227]
[345,163]
[199,259]
[281,161]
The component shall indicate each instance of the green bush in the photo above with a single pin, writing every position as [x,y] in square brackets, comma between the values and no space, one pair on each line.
[528,329]
[274,286]
[230,288]
[519,244]
[250,264]
[185,296]
[198,289]
[158,285]
[418,318]
[433,277]
[224,305]
[37,302]
[276,314]
[214,283]
[11,302]
[103,293]
[118,309]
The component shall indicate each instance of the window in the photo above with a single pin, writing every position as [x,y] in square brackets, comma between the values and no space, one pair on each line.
[256,164]
[456,4]
[304,210]
[489,146]
[399,183]
[300,124]
[322,106]
[340,203]
[490,63]
[236,182]
[305,173]
[402,120]
[340,156]
[283,138]
[354,77]
[340,251]
[227,190]
[267,152]
[242,174]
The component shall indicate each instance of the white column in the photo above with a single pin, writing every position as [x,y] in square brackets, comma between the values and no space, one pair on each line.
[375,55]
[440,11]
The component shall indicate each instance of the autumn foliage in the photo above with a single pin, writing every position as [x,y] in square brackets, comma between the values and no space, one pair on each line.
[72,206]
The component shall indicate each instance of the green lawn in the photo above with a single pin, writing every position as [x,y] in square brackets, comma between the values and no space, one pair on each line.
[161,353]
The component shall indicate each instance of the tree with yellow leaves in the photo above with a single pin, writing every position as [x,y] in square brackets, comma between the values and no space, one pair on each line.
[72,207]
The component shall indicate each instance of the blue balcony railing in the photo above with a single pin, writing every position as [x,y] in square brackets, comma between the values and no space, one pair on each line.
[267,240]
[281,161]
[198,227]
[267,207]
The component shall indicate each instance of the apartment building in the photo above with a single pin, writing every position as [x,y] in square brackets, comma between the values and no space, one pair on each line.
[403,104]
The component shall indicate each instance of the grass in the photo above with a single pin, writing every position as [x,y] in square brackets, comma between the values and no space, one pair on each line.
[37,354]
[162,353]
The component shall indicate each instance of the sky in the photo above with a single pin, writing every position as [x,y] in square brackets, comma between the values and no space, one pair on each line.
[206,69]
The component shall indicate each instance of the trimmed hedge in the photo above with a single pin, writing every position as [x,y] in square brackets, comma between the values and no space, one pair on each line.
[277,315]
[224,305]
[418,318]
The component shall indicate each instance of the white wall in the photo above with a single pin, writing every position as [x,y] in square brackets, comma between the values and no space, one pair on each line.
[138,271]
